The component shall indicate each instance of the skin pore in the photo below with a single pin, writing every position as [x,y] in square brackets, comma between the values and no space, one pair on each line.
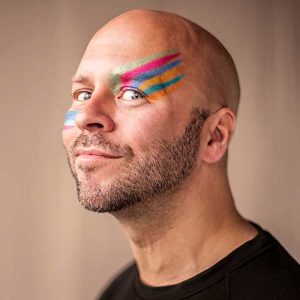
[184,226]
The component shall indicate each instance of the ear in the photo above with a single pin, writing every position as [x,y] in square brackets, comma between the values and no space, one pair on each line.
[219,130]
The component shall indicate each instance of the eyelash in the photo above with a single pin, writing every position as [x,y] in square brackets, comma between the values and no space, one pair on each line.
[78,92]
[124,89]
[129,88]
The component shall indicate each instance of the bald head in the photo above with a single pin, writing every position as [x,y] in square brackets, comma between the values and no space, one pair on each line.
[210,73]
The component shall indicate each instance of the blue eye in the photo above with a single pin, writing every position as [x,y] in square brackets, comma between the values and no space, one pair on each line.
[131,94]
[82,95]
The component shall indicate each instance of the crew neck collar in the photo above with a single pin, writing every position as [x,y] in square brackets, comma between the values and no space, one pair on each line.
[208,277]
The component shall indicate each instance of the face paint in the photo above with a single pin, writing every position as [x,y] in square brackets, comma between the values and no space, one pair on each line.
[70,119]
[155,75]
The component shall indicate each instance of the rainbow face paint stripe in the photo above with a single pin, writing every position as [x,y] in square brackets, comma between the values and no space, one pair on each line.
[70,119]
[156,75]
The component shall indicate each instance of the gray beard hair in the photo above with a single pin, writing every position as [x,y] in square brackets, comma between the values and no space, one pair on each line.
[159,171]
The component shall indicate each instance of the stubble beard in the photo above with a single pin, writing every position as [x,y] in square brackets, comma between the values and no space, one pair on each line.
[161,170]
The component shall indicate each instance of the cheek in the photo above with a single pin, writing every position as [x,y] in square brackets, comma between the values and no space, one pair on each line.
[141,131]
[68,136]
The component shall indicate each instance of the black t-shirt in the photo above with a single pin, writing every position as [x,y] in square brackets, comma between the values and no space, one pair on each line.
[260,269]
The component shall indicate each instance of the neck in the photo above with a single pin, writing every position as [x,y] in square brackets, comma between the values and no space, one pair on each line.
[182,234]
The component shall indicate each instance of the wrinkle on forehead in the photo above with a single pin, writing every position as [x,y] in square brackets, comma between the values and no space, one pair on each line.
[210,70]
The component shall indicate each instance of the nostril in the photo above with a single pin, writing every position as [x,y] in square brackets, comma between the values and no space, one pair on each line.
[97,125]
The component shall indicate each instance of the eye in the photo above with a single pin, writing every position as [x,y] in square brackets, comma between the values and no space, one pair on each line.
[130,94]
[82,95]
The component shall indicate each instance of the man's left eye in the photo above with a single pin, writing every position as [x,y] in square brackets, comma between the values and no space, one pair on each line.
[131,94]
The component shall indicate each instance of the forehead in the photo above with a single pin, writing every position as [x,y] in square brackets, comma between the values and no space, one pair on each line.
[123,43]
[118,56]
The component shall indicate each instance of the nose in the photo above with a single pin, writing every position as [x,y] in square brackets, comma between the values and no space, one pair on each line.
[95,115]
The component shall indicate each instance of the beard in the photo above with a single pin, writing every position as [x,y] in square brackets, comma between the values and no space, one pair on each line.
[160,170]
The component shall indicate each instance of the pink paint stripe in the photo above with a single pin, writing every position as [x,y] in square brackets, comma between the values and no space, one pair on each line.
[128,76]
[68,126]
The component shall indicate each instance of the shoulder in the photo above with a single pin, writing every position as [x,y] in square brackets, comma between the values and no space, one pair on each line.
[269,274]
[122,285]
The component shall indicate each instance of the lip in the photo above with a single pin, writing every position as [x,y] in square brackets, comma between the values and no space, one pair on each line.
[94,153]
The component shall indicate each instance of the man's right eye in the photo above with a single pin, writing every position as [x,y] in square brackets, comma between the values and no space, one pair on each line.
[82,95]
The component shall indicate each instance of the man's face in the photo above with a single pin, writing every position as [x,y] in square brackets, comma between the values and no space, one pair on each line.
[132,132]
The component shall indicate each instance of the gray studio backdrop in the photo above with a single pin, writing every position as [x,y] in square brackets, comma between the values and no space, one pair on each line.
[53,249]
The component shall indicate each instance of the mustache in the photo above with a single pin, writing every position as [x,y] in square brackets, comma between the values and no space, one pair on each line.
[98,140]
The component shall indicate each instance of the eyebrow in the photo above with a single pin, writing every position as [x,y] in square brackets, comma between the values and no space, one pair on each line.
[145,69]
[80,79]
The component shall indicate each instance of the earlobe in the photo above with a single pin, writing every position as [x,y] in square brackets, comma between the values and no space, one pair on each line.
[220,130]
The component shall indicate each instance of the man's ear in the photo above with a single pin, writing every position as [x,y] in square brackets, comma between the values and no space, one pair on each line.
[219,130]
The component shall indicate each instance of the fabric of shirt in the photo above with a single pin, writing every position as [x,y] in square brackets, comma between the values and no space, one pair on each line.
[260,269]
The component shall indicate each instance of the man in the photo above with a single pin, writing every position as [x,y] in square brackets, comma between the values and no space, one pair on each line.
[155,100]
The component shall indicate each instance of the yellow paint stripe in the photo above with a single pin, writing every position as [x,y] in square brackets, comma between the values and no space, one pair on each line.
[168,75]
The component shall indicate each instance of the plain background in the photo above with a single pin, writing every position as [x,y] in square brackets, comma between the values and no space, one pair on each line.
[51,248]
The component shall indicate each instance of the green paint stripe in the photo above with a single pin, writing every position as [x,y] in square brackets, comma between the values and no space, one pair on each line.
[163,85]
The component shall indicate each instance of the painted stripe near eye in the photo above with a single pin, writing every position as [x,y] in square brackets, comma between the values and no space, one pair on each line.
[164,92]
[166,76]
[149,76]
[142,61]
[162,85]
[139,79]
[128,76]
[115,75]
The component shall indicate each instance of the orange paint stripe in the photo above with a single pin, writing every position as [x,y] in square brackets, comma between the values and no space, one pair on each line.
[161,78]
[158,95]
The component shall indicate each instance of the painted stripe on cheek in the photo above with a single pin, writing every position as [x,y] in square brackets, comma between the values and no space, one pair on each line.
[70,119]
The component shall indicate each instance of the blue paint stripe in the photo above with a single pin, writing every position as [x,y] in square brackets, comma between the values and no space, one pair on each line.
[70,117]
[71,113]
[157,87]
[139,79]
